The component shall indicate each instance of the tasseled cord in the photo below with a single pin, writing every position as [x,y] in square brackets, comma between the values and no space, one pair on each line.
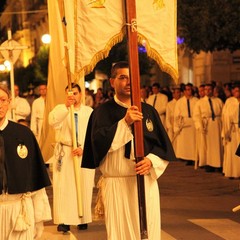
[23,222]
[99,207]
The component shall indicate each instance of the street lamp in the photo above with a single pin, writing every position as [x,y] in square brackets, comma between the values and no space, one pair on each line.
[2,68]
[46,38]
[7,65]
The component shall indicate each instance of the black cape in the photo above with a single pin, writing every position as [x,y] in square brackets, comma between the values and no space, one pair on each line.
[23,175]
[102,126]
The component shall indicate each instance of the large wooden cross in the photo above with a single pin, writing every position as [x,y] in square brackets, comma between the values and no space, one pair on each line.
[11,49]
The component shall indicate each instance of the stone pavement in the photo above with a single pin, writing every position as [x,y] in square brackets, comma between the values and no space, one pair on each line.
[195,205]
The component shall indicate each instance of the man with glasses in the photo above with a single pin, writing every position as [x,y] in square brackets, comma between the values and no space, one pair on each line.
[109,145]
[23,177]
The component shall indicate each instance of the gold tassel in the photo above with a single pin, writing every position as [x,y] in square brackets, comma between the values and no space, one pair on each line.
[100,55]
[22,222]
[99,207]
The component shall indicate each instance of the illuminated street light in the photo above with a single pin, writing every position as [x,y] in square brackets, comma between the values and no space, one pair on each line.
[46,38]
[7,65]
[2,68]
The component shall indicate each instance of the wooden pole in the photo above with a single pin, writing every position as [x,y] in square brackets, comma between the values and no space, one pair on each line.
[136,100]
[74,140]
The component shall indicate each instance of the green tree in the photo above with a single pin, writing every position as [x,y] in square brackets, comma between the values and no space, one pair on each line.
[41,64]
[209,25]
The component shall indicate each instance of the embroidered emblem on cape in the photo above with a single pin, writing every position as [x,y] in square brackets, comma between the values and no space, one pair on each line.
[22,151]
[149,125]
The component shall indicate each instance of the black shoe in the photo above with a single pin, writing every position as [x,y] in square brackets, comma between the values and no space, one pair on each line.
[190,163]
[219,169]
[82,226]
[63,228]
[209,168]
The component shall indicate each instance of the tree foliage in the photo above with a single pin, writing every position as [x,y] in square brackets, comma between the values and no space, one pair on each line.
[34,73]
[209,25]
[41,64]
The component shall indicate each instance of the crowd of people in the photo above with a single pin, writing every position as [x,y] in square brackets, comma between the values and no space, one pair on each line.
[202,122]
[198,125]
[29,111]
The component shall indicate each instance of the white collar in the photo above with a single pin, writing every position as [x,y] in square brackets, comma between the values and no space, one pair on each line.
[5,123]
[120,103]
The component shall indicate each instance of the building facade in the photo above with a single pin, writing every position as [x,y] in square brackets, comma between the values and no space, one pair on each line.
[219,66]
[28,21]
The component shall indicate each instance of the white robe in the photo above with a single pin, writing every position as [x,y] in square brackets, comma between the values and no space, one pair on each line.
[170,121]
[210,145]
[34,205]
[160,105]
[21,107]
[121,207]
[184,129]
[37,115]
[231,136]
[64,188]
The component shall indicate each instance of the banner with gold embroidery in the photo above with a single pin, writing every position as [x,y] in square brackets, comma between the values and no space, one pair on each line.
[157,28]
[100,25]
[93,28]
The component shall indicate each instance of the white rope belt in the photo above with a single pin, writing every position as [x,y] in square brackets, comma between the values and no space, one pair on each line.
[127,176]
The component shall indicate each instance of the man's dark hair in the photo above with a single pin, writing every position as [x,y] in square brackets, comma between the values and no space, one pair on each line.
[118,65]
[157,85]
[209,85]
[188,85]
[74,85]
[235,85]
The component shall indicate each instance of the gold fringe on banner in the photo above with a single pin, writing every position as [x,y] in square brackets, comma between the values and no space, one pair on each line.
[152,53]
[101,54]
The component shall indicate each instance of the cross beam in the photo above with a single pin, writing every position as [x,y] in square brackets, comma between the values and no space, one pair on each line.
[11,50]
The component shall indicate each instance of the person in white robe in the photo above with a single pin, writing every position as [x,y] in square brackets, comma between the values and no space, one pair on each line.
[112,122]
[24,204]
[176,93]
[184,129]
[159,102]
[65,207]
[207,116]
[89,101]
[19,107]
[201,91]
[37,114]
[231,134]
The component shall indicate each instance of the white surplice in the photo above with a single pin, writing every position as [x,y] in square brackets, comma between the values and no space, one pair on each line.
[119,189]
[38,108]
[170,120]
[34,205]
[210,144]
[160,105]
[231,136]
[184,129]
[64,188]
